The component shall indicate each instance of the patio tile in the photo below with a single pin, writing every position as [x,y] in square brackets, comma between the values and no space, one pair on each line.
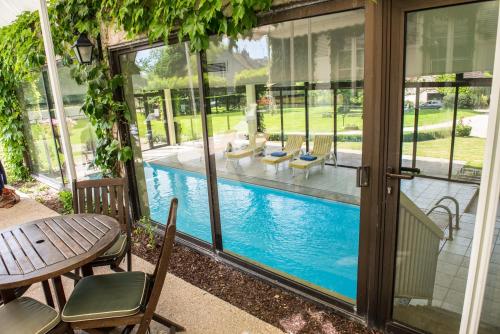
[455,249]
[458,284]
[447,268]
[450,258]
[455,298]
[194,308]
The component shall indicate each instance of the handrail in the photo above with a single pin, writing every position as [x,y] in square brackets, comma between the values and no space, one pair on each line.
[450,218]
[457,210]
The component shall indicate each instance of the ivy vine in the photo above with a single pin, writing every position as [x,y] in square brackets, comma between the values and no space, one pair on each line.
[21,54]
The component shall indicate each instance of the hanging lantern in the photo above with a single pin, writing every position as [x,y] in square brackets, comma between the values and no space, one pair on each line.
[83,49]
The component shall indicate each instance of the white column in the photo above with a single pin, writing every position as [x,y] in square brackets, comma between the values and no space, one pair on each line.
[486,211]
[170,115]
[251,113]
[56,91]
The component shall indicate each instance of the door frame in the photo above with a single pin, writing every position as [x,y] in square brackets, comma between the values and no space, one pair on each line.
[394,15]
[371,138]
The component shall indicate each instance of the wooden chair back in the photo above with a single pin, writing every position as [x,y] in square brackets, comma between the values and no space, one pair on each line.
[104,196]
[160,272]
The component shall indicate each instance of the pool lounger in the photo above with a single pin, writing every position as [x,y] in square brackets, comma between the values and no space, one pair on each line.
[250,151]
[321,149]
[292,149]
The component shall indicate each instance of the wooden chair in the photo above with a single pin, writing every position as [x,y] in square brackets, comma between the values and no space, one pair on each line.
[108,197]
[123,299]
[25,315]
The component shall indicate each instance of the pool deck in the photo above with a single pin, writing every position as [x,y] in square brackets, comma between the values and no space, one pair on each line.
[334,183]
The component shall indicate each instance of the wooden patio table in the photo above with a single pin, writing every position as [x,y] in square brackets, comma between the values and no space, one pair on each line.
[44,249]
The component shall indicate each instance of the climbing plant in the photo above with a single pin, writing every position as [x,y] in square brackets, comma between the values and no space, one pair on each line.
[21,53]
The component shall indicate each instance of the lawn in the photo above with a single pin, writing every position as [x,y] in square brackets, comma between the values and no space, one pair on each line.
[320,120]
[468,149]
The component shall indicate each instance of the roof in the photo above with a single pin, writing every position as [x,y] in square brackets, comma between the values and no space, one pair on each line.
[10,9]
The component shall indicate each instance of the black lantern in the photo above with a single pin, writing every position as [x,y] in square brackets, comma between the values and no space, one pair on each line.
[83,49]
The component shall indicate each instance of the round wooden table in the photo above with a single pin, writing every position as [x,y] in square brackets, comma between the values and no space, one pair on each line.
[47,248]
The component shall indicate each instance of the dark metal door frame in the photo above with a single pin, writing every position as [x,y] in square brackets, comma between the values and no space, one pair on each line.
[368,290]
[392,38]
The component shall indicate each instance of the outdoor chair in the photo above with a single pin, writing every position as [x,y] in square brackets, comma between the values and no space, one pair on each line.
[107,197]
[321,151]
[291,150]
[251,151]
[27,316]
[125,298]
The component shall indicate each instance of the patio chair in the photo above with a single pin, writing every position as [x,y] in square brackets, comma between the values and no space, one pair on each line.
[108,197]
[251,151]
[27,316]
[291,150]
[321,151]
[122,299]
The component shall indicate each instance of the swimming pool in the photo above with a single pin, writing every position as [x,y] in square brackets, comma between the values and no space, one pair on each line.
[311,239]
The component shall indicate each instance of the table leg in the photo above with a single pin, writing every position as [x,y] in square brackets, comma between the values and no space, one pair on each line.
[48,293]
[7,296]
[58,288]
[87,271]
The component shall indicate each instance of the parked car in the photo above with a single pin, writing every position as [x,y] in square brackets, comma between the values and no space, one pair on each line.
[431,104]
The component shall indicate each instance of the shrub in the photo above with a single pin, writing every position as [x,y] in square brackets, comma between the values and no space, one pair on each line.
[463,130]
[146,227]
[66,198]
[350,127]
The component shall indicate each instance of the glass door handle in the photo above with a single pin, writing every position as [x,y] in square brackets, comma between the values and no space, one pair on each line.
[412,170]
[390,174]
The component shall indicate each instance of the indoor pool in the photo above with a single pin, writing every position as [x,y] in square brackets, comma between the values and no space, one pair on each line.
[312,240]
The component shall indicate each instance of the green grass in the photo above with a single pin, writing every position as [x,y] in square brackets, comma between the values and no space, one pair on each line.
[468,149]
[320,120]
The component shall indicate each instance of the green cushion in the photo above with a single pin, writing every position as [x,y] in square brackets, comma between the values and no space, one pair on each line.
[106,296]
[116,250]
[27,316]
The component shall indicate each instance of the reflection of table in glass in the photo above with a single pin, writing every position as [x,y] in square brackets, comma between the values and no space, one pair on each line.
[47,248]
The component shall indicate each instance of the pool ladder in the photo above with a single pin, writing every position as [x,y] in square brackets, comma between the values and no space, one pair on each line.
[438,205]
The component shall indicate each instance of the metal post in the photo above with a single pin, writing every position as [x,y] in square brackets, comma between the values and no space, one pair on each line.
[306,103]
[213,196]
[453,135]
[415,127]
[281,119]
[56,90]
[335,139]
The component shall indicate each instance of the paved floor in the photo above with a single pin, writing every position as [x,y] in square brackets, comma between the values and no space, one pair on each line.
[196,309]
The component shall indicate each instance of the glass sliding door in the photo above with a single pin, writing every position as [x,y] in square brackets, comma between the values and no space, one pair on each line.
[161,90]
[39,131]
[284,204]
[442,120]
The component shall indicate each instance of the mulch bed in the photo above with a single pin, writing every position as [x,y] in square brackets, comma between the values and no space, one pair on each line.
[280,308]
[276,306]
[41,193]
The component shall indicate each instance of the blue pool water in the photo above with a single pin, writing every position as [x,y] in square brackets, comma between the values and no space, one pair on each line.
[311,239]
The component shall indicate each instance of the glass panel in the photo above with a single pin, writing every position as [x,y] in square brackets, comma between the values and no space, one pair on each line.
[433,252]
[470,133]
[296,217]
[82,133]
[161,90]
[39,131]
